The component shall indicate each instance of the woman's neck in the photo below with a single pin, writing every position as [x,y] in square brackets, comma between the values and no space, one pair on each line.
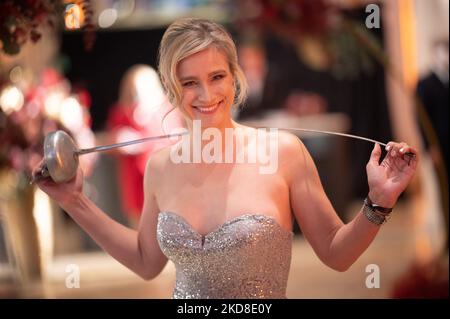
[196,125]
[227,134]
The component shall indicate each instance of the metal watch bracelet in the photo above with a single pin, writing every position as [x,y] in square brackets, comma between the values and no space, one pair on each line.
[373,216]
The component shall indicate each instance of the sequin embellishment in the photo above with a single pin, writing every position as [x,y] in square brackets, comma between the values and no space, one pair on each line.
[246,257]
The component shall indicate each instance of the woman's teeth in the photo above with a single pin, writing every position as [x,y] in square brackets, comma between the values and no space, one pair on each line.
[208,109]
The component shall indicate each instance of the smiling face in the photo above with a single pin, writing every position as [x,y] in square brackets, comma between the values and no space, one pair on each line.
[207,87]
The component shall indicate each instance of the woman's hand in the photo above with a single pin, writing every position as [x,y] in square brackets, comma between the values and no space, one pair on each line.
[390,178]
[63,193]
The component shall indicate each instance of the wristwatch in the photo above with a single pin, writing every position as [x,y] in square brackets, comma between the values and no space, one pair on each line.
[375,207]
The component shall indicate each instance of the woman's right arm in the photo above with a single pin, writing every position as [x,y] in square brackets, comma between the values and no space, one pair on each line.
[137,250]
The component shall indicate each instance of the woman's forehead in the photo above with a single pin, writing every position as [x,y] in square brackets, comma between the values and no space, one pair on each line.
[203,62]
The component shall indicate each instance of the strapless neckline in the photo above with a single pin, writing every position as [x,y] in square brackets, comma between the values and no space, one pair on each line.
[226,223]
[247,256]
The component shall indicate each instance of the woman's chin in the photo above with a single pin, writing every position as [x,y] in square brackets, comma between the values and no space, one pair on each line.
[209,121]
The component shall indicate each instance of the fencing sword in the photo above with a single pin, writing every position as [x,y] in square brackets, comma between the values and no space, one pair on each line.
[410,155]
[334,133]
[61,153]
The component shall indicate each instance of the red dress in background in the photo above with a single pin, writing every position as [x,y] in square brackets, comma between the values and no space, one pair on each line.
[131,166]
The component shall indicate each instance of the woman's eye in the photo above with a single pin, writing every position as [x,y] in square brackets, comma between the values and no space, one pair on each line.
[218,77]
[190,83]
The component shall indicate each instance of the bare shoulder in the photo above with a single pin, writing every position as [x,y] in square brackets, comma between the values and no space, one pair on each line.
[290,145]
[290,149]
[286,141]
[156,164]
[291,154]
[160,157]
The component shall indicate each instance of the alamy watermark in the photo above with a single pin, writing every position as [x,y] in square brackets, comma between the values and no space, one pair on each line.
[73,278]
[373,280]
[261,148]
[373,19]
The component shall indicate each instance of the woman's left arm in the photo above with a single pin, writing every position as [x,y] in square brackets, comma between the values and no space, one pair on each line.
[339,245]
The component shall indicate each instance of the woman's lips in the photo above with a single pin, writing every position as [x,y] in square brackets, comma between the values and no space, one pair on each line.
[208,109]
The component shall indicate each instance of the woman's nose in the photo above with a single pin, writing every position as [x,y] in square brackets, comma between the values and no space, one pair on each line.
[204,94]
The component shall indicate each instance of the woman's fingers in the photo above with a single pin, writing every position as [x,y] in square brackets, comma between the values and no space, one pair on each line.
[401,154]
[389,146]
[395,149]
[376,154]
[39,174]
[38,168]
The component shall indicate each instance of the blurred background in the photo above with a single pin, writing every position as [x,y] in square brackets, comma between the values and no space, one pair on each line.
[378,69]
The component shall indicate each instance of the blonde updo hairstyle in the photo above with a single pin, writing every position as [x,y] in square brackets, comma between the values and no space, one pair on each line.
[185,37]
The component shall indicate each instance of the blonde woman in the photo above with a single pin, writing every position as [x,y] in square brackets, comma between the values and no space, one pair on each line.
[227,225]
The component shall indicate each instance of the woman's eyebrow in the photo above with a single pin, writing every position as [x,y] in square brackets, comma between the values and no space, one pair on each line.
[216,72]
[189,78]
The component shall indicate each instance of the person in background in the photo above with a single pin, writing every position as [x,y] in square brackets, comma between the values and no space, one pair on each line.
[270,88]
[432,91]
[253,61]
[142,110]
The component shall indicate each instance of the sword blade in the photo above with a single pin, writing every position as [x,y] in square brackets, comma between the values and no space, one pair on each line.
[117,145]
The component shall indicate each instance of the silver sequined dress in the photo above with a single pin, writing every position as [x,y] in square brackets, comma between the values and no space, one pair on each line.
[246,257]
